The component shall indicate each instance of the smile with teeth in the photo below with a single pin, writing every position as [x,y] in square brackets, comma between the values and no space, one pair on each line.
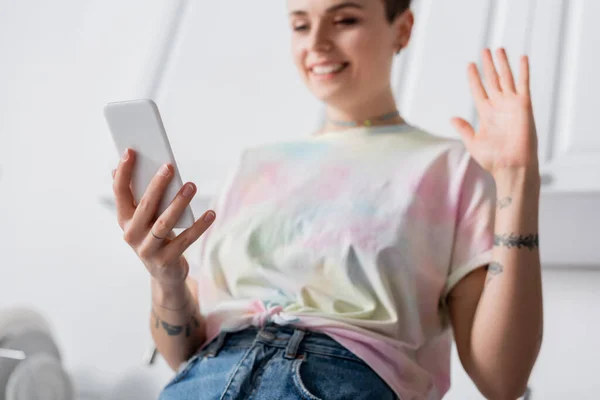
[328,69]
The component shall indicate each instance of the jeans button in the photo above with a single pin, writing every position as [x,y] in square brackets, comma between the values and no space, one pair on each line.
[266,335]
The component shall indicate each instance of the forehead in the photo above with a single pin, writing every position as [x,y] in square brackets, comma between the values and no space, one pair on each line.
[324,6]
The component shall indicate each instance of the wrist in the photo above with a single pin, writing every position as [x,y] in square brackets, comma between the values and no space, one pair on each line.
[171,297]
[517,180]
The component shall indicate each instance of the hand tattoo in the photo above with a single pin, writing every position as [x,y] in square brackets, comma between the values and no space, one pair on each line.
[176,330]
[530,241]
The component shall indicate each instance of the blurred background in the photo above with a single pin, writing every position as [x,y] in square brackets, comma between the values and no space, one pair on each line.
[222,76]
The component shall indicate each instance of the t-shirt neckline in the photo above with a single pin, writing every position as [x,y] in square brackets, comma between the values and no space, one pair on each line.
[364,130]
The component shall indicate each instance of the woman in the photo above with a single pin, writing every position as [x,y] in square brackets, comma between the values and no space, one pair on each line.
[337,264]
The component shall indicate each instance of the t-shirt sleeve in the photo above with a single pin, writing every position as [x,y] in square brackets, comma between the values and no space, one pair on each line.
[474,229]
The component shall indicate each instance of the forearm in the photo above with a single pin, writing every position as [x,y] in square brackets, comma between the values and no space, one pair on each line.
[175,322]
[507,330]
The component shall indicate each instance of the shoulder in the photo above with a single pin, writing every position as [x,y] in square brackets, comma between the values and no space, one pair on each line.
[446,155]
[456,152]
[443,145]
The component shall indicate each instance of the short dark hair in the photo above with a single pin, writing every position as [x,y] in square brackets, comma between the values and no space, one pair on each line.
[393,8]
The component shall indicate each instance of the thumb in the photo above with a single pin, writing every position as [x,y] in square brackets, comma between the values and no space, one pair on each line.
[466,131]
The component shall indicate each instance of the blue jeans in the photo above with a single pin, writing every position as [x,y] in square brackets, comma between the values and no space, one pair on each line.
[275,363]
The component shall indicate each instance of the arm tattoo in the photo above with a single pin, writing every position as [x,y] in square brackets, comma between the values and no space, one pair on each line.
[530,241]
[505,202]
[176,330]
[494,269]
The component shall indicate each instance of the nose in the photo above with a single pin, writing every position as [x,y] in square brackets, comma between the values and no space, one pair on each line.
[320,40]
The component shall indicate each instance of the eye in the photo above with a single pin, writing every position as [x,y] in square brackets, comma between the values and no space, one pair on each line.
[300,28]
[347,21]
[299,24]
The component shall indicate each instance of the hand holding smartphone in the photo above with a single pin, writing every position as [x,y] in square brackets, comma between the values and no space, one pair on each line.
[137,125]
[149,197]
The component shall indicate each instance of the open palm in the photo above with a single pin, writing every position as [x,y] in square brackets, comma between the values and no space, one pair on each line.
[507,136]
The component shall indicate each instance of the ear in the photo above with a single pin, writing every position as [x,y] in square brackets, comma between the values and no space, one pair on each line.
[403,25]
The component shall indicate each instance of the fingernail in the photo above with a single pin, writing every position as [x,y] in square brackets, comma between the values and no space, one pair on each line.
[164,170]
[188,190]
[209,217]
[125,155]
[114,171]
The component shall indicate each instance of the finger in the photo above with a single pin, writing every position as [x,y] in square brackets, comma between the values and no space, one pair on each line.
[466,131]
[490,73]
[477,89]
[145,211]
[151,245]
[507,81]
[164,224]
[524,88]
[186,238]
[123,195]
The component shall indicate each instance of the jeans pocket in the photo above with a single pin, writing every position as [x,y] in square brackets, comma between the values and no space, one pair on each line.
[300,386]
[317,377]
[184,369]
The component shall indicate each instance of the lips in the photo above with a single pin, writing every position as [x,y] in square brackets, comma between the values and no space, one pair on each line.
[328,69]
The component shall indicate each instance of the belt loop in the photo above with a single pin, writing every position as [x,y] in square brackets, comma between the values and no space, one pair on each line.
[215,346]
[292,347]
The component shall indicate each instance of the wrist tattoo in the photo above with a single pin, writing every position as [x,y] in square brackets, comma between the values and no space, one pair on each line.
[176,330]
[511,240]
[494,269]
[505,202]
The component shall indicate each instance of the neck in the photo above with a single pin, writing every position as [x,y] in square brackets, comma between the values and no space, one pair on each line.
[358,112]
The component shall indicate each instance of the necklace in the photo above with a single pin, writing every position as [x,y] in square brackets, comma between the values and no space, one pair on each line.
[367,122]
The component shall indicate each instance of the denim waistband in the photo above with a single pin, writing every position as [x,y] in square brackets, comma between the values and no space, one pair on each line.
[296,341]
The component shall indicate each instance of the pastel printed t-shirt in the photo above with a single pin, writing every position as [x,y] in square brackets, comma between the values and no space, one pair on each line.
[359,234]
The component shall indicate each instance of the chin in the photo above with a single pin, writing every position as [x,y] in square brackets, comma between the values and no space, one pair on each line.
[336,96]
[332,93]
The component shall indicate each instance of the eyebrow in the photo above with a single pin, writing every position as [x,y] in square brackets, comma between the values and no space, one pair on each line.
[347,4]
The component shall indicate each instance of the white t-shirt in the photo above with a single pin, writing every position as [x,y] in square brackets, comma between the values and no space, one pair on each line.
[359,234]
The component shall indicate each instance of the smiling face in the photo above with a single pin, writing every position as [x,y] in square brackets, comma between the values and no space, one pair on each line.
[344,49]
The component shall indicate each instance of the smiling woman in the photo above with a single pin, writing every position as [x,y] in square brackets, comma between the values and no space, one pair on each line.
[344,51]
[335,265]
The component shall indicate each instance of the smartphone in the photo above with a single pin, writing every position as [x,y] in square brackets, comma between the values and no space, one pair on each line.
[136,124]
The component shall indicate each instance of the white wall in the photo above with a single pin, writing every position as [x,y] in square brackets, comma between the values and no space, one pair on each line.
[61,252]
[567,367]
